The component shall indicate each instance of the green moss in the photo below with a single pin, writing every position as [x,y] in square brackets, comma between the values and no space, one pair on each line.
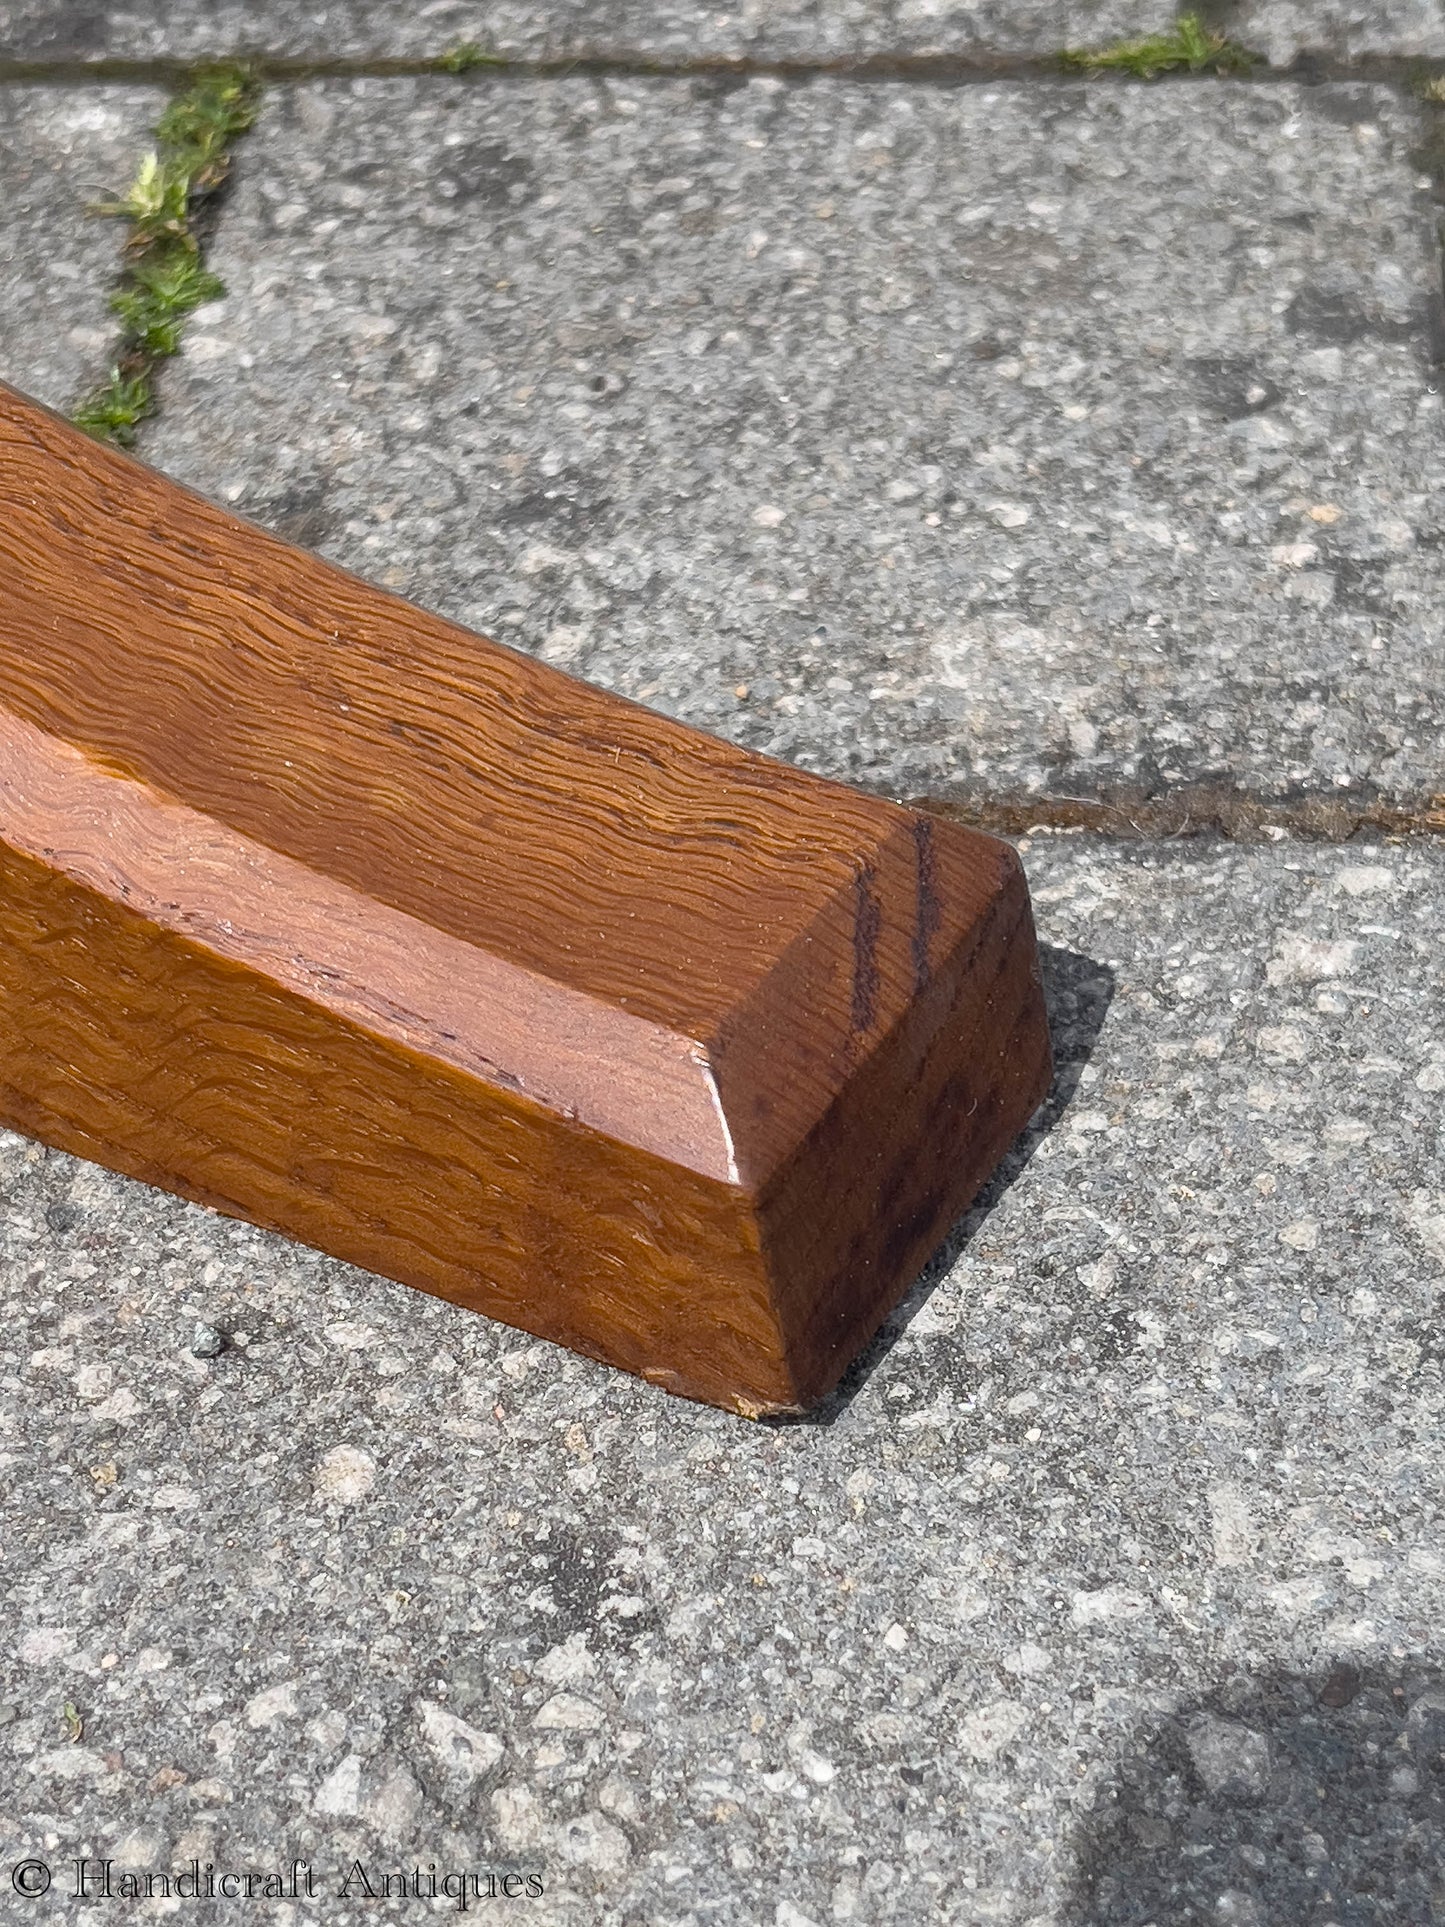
[166,278]
[1188,46]
[464,59]
[112,412]
[199,126]
[159,293]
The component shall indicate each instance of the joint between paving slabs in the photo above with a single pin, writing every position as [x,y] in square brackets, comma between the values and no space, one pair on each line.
[1212,810]
[1189,52]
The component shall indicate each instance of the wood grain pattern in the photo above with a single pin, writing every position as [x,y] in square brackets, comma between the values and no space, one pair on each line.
[337,917]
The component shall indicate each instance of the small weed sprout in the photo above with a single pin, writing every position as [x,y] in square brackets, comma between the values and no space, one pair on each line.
[1188,46]
[155,203]
[166,279]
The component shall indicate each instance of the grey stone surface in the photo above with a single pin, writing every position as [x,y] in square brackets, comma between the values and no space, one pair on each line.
[786,29]
[1283,29]
[1054,437]
[1113,1592]
[60,151]
[776,29]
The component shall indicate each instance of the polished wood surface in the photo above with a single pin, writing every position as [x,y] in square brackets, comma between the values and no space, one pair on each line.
[324,911]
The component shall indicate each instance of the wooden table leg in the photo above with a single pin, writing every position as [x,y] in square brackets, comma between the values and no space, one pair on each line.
[339,918]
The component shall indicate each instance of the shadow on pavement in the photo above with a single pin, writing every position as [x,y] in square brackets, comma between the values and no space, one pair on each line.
[1284,1803]
[1078,991]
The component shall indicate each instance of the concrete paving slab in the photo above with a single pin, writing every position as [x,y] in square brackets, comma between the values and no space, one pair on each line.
[1116,1587]
[632,29]
[1024,438]
[777,29]
[1282,30]
[60,151]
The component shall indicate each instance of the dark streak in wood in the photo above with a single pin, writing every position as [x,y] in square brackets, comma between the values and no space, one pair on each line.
[929,916]
[867,924]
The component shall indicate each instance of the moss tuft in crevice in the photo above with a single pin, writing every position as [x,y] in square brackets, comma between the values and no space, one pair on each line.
[466,57]
[1189,46]
[165,205]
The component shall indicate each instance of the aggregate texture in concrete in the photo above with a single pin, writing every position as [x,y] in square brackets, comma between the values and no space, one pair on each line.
[1058,437]
[1112,1591]
[62,150]
[1285,30]
[625,29]
[797,30]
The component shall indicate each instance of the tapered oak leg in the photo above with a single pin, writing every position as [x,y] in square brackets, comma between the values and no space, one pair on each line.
[344,920]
